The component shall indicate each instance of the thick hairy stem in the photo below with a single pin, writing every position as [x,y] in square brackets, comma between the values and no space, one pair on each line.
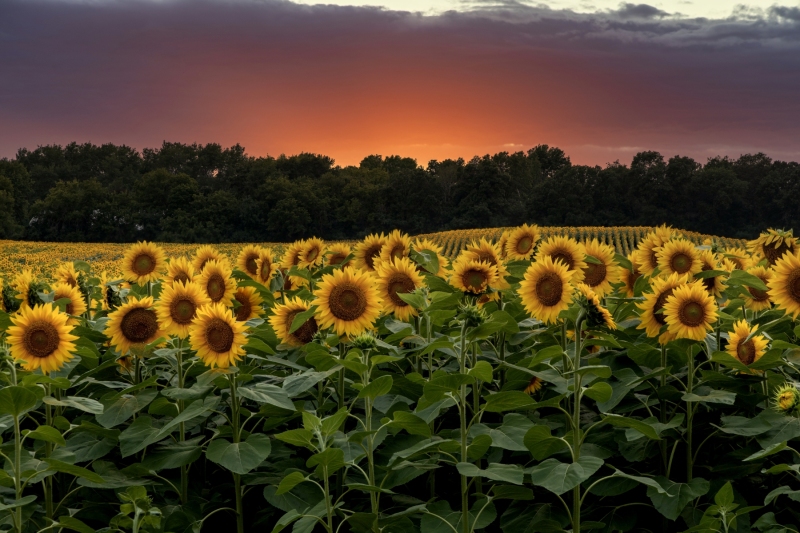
[18,473]
[373,496]
[182,427]
[463,413]
[48,450]
[576,426]
[663,406]
[328,499]
[689,416]
[237,478]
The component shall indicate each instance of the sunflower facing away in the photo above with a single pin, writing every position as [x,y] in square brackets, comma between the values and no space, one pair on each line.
[179,269]
[76,305]
[596,314]
[501,243]
[565,250]
[247,260]
[291,256]
[679,256]
[265,266]
[484,250]
[473,276]
[534,385]
[647,252]
[758,300]
[521,242]
[746,351]
[66,273]
[133,325]
[25,286]
[398,244]
[784,287]
[215,279]
[109,292]
[599,277]
[714,285]
[773,244]
[347,300]
[41,337]
[337,254]
[652,316]
[398,276]
[203,255]
[217,337]
[143,263]
[311,254]
[427,246]
[282,318]
[690,312]
[547,289]
[629,277]
[249,304]
[177,307]
[368,251]
[739,257]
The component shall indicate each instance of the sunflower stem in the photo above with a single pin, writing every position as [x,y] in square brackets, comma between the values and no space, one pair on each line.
[48,450]
[576,425]
[663,404]
[373,496]
[182,426]
[463,423]
[689,415]
[18,473]
[237,478]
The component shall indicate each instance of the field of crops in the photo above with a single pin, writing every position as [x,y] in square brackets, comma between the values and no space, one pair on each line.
[517,380]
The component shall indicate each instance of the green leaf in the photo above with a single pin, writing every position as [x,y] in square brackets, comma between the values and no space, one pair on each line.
[240,457]
[746,427]
[673,497]
[268,394]
[508,401]
[713,396]
[436,388]
[558,477]
[510,435]
[47,434]
[724,496]
[541,443]
[482,371]
[172,456]
[297,437]
[16,400]
[332,459]
[649,482]
[784,489]
[479,446]
[599,392]
[770,450]
[627,422]
[117,412]
[740,277]
[289,482]
[601,371]
[301,318]
[60,466]
[510,492]
[331,424]
[377,388]
[78,402]
[13,504]
[137,436]
[73,524]
[411,423]
[495,471]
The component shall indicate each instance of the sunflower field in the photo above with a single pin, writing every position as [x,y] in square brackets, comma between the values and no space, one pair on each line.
[527,380]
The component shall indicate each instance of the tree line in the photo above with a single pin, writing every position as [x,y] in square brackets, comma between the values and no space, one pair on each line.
[207,193]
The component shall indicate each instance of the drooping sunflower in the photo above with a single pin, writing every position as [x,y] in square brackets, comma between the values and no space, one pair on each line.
[66,273]
[143,262]
[629,276]
[368,251]
[534,385]
[109,292]
[249,304]
[133,324]
[773,244]
[652,316]
[746,350]
[427,246]
[758,300]
[473,276]
[690,312]
[599,277]
[398,275]
[178,305]
[565,250]
[337,255]
[714,285]
[647,252]
[203,255]
[679,256]
[547,289]
[486,251]
[217,337]
[501,243]
[76,305]
[282,318]
[41,336]
[265,266]
[522,242]
[247,260]
[291,256]
[290,283]
[26,286]
[215,279]
[347,300]
[311,254]
[596,314]
[739,257]
[784,287]
[179,269]
[398,244]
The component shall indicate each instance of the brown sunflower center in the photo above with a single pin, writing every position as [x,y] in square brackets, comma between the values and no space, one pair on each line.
[774,251]
[215,287]
[595,274]
[250,264]
[746,351]
[487,257]
[793,285]
[139,325]
[692,314]
[347,301]
[266,268]
[398,251]
[144,264]
[243,311]
[181,277]
[680,263]
[204,261]
[708,283]
[71,281]
[524,245]
[653,258]
[632,276]
[70,308]
[759,295]
[399,283]
[549,289]
[41,339]
[738,262]
[336,258]
[659,305]
[475,279]
[312,254]
[371,253]
[565,257]
[182,310]
[304,333]
[219,335]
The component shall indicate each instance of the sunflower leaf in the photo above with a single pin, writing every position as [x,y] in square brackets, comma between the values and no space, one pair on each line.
[301,318]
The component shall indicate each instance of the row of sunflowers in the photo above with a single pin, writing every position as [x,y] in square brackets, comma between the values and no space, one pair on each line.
[340,387]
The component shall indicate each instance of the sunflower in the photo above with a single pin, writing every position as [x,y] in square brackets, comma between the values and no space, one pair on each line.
[427,246]
[787,398]
[337,254]
[76,305]
[652,316]
[784,287]
[629,277]
[600,276]
[739,257]
[247,260]
[143,262]
[398,244]
[565,250]
[291,256]
[690,312]
[647,252]
[596,314]
[133,324]
[179,269]
[265,266]
[535,384]
[501,243]
[396,276]
[178,305]
[488,252]
[249,304]
[473,276]
[41,337]
[311,254]
[282,318]
[547,289]
[109,293]
[217,337]
[773,244]
[758,300]
[2,299]
[203,255]
[522,242]
[66,273]
[26,287]
[215,279]
[679,256]
[746,350]
[348,301]
[368,251]
[714,285]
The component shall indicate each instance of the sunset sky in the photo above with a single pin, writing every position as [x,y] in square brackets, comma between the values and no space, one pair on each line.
[429,79]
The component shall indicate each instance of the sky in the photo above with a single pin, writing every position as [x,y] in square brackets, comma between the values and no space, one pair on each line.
[429,79]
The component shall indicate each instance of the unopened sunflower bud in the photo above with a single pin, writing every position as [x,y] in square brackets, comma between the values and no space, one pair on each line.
[365,341]
[787,398]
[472,315]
